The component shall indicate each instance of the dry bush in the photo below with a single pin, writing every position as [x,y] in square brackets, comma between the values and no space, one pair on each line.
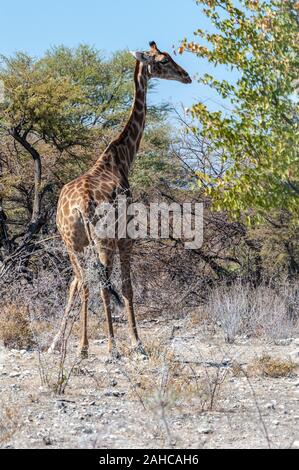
[236,369]
[269,366]
[56,370]
[95,328]
[9,422]
[15,329]
[229,307]
[274,312]
[44,293]
[167,383]
[169,281]
[157,348]
[264,311]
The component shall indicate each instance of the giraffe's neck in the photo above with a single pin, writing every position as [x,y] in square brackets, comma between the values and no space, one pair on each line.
[125,147]
[133,131]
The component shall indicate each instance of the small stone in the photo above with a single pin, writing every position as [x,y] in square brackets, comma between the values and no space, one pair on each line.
[62,408]
[295,445]
[114,393]
[88,431]
[47,440]
[205,430]
[283,341]
[15,387]
[15,374]
[275,422]
[270,406]
[294,356]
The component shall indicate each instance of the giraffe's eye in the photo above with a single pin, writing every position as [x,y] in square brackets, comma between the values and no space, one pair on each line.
[164,61]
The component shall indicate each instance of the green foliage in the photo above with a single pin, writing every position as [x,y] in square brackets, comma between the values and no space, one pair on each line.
[69,97]
[61,96]
[259,137]
[68,105]
[155,165]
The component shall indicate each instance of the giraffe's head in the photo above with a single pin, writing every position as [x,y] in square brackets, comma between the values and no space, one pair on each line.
[161,65]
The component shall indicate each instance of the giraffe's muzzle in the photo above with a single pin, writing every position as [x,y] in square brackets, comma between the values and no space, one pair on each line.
[187,79]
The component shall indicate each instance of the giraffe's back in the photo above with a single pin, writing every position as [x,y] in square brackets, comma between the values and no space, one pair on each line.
[78,200]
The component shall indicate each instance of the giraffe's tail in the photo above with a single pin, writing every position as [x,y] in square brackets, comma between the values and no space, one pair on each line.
[116,296]
[105,281]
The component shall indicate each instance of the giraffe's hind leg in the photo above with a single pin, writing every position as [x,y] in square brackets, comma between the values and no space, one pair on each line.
[72,292]
[78,284]
[84,295]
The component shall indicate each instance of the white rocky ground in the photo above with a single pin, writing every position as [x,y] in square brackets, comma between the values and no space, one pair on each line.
[194,391]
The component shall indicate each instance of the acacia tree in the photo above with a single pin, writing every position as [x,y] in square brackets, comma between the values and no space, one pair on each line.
[57,100]
[60,110]
[259,136]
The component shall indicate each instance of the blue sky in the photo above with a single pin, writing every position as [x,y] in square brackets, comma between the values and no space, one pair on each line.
[34,26]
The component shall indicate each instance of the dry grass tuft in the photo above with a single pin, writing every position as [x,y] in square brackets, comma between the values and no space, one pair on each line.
[95,328]
[15,330]
[9,423]
[274,367]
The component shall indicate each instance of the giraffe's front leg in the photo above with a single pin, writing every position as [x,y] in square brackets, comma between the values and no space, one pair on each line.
[112,349]
[63,326]
[106,255]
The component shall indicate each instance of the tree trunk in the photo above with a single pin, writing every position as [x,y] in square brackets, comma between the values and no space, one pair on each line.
[35,221]
[4,238]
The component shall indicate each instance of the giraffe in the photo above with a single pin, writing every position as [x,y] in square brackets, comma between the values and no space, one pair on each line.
[102,183]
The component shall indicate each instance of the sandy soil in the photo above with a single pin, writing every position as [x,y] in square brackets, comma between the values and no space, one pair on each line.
[194,391]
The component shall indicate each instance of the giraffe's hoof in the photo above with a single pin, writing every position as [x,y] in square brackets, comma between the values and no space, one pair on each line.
[115,359]
[83,352]
[112,350]
[114,356]
[139,349]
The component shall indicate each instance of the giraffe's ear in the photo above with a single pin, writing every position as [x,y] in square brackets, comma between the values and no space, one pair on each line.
[141,56]
[154,48]
[153,45]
